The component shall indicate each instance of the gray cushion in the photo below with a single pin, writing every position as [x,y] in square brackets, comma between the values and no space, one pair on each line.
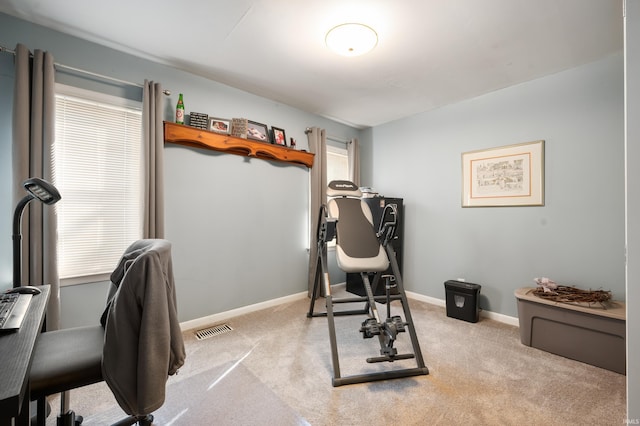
[66,359]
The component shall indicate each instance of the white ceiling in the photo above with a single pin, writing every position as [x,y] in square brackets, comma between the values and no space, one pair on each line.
[430,52]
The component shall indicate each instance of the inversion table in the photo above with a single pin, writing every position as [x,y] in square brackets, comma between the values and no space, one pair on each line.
[360,249]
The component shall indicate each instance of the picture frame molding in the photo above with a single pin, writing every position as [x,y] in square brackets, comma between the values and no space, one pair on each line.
[506,176]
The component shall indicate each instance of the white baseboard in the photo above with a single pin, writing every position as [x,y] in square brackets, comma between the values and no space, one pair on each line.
[506,319]
[426,299]
[223,316]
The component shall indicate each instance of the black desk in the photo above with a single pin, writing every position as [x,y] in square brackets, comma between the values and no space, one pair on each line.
[16,350]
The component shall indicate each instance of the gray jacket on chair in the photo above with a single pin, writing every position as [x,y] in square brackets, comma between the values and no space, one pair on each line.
[143,341]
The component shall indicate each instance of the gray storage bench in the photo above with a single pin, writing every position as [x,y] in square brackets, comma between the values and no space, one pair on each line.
[590,334]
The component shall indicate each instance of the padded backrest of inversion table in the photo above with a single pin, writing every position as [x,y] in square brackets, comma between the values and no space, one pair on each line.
[357,247]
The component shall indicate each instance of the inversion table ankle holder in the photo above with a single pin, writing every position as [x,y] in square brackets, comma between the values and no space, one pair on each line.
[360,249]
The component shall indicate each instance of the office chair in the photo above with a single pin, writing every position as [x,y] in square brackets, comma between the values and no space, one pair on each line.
[137,345]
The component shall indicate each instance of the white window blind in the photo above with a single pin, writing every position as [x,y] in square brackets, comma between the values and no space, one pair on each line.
[337,169]
[337,163]
[97,169]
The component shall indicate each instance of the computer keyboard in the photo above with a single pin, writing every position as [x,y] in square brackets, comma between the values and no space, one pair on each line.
[7,303]
[13,308]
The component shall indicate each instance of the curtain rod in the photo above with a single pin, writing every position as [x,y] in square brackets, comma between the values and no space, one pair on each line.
[92,74]
[333,138]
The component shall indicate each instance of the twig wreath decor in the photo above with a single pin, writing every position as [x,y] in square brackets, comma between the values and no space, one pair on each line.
[549,290]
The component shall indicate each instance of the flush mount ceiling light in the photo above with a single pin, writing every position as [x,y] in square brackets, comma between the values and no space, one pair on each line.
[351,39]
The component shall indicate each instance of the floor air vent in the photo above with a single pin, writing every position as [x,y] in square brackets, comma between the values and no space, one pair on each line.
[205,333]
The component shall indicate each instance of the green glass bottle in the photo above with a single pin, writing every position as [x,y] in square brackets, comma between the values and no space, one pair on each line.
[180,111]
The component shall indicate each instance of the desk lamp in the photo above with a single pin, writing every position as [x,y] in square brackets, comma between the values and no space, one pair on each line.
[46,193]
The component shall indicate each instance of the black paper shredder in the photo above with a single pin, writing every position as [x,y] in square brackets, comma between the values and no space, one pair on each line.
[462,300]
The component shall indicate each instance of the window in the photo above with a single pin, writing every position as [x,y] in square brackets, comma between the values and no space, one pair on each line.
[337,169]
[97,168]
[337,163]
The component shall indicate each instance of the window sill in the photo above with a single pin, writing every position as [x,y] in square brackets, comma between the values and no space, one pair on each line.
[85,279]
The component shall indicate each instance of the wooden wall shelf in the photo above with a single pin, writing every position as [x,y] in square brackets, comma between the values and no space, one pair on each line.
[198,138]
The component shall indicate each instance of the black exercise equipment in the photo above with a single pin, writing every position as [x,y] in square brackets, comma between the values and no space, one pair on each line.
[360,249]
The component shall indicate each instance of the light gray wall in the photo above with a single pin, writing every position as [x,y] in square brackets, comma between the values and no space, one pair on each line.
[577,238]
[632,99]
[230,247]
[238,225]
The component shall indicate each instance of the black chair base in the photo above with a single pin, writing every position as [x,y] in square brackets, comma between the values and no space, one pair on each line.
[71,419]
[140,420]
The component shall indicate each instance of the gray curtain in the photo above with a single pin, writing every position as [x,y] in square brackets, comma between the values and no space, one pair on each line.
[318,194]
[33,137]
[153,151]
[353,152]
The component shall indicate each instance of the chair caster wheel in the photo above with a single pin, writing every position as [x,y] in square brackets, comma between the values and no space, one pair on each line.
[146,420]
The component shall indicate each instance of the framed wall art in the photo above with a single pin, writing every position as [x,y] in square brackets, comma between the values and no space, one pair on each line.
[257,131]
[220,125]
[506,176]
[278,136]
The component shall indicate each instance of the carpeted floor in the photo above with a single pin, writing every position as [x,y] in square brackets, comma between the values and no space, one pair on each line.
[274,368]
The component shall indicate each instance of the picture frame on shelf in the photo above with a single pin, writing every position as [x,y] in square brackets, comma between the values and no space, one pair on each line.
[278,136]
[239,127]
[257,131]
[511,175]
[198,120]
[219,125]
